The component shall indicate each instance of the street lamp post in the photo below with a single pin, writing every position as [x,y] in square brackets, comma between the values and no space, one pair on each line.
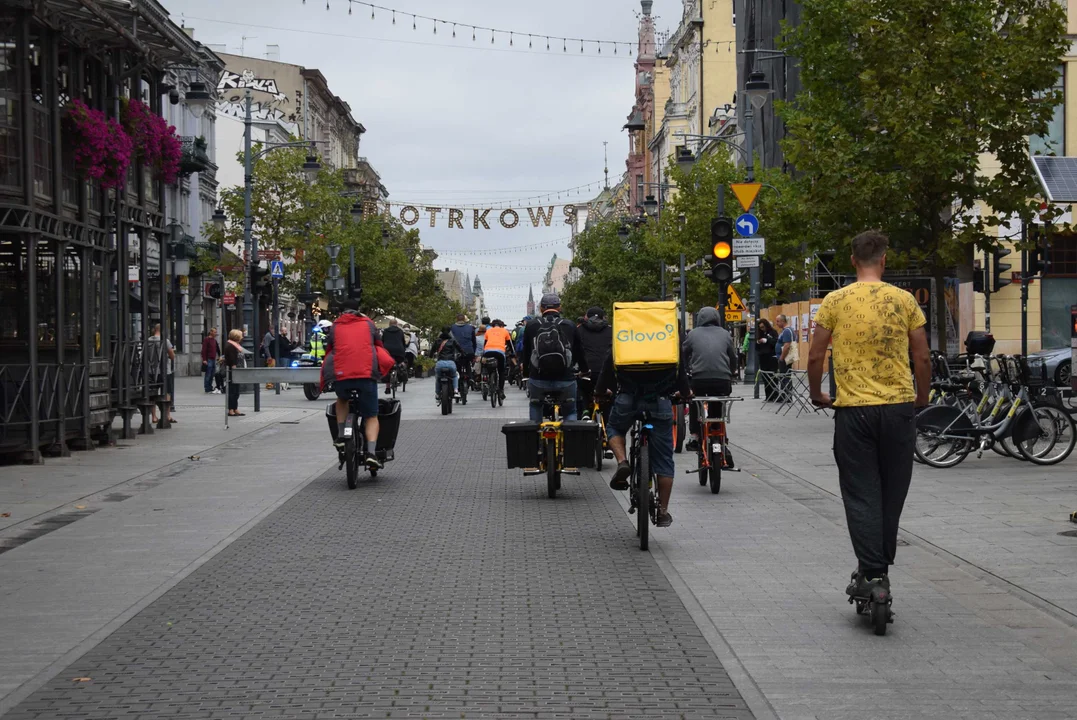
[250,244]
[758,90]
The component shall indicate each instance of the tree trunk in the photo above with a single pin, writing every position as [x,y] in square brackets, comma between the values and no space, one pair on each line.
[941,316]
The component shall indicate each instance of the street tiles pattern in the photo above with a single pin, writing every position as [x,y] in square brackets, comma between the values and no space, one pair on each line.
[447,588]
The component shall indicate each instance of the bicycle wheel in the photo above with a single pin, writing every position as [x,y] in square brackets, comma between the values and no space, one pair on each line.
[446,397]
[351,456]
[1051,438]
[716,472]
[931,446]
[493,389]
[553,474]
[643,499]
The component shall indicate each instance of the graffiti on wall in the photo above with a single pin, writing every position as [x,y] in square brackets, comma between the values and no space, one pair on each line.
[268,103]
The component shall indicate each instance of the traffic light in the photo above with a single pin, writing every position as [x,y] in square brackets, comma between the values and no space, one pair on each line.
[1000,268]
[214,291]
[721,259]
[979,278]
[766,275]
[260,282]
[675,288]
[1037,261]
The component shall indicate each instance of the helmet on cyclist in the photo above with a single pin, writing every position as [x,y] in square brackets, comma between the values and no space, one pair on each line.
[325,324]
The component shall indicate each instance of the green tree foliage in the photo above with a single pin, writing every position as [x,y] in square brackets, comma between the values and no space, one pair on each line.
[613,270]
[915,117]
[302,218]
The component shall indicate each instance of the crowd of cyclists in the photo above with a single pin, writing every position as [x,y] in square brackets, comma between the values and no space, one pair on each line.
[545,354]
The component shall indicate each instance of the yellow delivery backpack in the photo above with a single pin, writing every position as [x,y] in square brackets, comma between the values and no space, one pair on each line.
[645,335]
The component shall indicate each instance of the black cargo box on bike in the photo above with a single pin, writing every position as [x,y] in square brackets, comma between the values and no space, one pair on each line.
[521,444]
[978,342]
[579,445]
[388,422]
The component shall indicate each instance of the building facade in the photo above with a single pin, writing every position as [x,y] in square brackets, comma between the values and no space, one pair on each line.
[192,201]
[640,124]
[82,276]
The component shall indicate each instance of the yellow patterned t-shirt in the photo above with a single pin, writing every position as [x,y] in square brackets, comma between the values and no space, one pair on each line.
[870,324]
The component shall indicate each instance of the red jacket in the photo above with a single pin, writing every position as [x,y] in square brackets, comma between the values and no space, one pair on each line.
[354,342]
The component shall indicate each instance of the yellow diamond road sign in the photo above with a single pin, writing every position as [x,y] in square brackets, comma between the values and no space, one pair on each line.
[746,193]
[735,309]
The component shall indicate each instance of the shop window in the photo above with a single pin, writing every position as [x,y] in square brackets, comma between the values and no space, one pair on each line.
[1056,297]
[13,328]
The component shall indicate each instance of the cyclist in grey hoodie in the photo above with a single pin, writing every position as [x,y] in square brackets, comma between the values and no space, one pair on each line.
[711,356]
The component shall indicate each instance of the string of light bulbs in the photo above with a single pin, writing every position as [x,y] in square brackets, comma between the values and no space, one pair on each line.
[512,35]
[496,266]
[560,242]
[513,203]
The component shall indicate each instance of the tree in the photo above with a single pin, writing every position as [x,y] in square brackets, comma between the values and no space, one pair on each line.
[685,224]
[915,116]
[303,218]
[612,270]
[288,213]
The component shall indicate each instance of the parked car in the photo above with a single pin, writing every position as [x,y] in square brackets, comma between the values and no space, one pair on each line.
[1058,363]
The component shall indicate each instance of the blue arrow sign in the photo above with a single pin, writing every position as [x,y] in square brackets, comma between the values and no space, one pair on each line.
[276,268]
[747,225]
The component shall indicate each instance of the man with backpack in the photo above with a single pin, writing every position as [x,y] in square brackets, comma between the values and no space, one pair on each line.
[596,339]
[446,353]
[551,354]
[643,384]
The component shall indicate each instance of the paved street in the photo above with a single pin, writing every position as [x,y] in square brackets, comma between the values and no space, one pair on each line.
[451,587]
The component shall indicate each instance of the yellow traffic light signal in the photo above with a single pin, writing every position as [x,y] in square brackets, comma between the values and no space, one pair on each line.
[722,250]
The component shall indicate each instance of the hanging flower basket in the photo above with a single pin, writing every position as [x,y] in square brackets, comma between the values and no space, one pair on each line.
[155,140]
[100,148]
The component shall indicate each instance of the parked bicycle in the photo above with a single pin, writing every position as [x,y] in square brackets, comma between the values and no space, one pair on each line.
[999,402]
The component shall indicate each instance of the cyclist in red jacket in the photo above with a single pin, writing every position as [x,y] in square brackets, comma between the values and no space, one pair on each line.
[352,362]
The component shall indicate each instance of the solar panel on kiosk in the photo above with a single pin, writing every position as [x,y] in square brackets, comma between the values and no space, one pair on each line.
[1058,177]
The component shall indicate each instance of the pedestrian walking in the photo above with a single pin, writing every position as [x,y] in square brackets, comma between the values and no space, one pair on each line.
[210,352]
[783,349]
[233,358]
[170,373]
[872,326]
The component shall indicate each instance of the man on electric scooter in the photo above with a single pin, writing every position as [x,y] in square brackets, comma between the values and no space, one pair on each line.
[352,361]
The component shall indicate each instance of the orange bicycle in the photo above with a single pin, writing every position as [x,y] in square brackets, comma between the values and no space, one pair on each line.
[713,439]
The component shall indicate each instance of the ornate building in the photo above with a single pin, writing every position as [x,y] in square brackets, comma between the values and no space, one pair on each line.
[83,274]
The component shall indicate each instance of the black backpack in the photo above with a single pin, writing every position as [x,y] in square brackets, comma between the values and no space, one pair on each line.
[550,355]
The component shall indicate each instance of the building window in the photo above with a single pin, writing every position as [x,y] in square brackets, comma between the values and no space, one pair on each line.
[40,86]
[10,138]
[1062,256]
[1054,142]
[639,189]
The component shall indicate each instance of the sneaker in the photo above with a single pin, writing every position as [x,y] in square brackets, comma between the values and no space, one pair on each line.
[692,445]
[664,520]
[388,391]
[619,481]
[339,445]
[860,586]
[216,391]
[373,463]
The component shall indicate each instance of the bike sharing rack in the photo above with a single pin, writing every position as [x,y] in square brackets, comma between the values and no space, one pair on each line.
[260,375]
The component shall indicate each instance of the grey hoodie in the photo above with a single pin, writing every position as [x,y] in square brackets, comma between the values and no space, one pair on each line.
[710,349]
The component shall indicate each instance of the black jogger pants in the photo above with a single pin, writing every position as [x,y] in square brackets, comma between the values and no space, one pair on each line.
[873,447]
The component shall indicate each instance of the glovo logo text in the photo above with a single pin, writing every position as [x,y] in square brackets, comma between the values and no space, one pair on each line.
[628,335]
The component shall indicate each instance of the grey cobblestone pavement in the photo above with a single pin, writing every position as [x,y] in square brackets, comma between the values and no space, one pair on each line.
[448,587]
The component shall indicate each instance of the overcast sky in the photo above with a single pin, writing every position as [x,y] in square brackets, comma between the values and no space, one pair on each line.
[456,121]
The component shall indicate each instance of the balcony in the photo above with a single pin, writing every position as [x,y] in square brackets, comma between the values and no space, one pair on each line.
[195,155]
